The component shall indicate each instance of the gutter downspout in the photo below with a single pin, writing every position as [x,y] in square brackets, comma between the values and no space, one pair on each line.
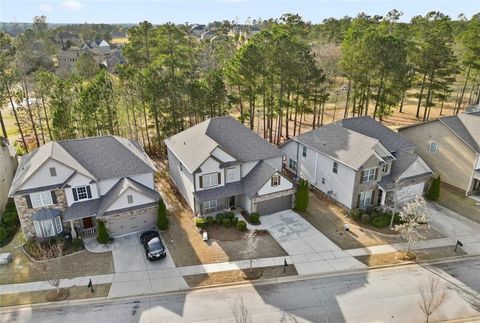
[316,167]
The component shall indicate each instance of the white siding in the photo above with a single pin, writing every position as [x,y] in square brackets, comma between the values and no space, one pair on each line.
[208,167]
[80,180]
[221,155]
[477,166]
[416,168]
[306,165]
[182,179]
[245,203]
[122,201]
[285,184]
[290,148]
[247,167]
[146,179]
[43,178]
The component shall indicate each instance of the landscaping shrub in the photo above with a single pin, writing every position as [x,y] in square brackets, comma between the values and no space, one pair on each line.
[102,233]
[3,235]
[356,214]
[162,220]
[255,218]
[301,196]
[226,222]
[219,218]
[210,220]
[381,221]
[230,215]
[201,223]
[365,218]
[234,220]
[77,244]
[433,193]
[241,225]
[397,219]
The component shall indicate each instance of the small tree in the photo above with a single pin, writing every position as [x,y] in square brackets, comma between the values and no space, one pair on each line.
[52,266]
[301,197]
[251,248]
[433,193]
[162,220]
[414,218]
[431,297]
[102,233]
[240,311]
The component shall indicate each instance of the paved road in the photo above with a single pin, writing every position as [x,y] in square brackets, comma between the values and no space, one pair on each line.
[386,295]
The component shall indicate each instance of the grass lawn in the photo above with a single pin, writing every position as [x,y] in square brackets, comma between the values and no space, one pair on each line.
[10,125]
[75,292]
[185,243]
[455,200]
[21,269]
[394,258]
[232,276]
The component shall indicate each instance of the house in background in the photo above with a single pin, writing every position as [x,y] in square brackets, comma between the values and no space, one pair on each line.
[8,165]
[69,185]
[451,146]
[220,164]
[359,163]
[119,38]
[198,29]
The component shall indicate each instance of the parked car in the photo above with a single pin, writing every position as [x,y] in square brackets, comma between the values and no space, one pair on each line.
[154,248]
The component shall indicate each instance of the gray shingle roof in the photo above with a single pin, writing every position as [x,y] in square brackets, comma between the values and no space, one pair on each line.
[229,189]
[46,214]
[194,145]
[374,129]
[467,127]
[81,210]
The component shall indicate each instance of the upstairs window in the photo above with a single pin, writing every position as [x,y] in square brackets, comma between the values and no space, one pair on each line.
[292,164]
[82,193]
[385,168]
[433,147]
[275,180]
[231,174]
[209,180]
[335,167]
[369,175]
[304,151]
[130,199]
[41,199]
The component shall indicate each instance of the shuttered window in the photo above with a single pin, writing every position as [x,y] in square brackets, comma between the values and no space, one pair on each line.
[369,175]
[210,180]
[82,193]
[41,199]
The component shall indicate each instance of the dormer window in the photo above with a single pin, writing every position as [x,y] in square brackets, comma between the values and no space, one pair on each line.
[82,193]
[385,168]
[53,171]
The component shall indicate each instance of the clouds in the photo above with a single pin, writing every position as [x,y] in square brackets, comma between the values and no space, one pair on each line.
[72,5]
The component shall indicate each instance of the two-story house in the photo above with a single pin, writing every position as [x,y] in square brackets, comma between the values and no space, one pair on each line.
[69,185]
[220,164]
[8,165]
[358,162]
[451,146]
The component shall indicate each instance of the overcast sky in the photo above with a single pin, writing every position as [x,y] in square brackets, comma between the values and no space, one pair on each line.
[203,11]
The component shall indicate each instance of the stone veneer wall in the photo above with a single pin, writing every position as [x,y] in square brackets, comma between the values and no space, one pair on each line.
[25,213]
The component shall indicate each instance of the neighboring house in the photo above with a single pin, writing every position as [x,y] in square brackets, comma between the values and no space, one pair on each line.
[8,165]
[67,39]
[220,164]
[119,38]
[451,146]
[208,35]
[115,58]
[198,30]
[358,162]
[67,186]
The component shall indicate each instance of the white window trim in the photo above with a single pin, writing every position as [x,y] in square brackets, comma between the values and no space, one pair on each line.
[130,197]
[211,183]
[335,167]
[292,162]
[363,198]
[45,231]
[78,193]
[44,199]
[275,180]
[368,175]
[385,168]
[304,151]
[209,205]
[435,144]
[231,174]
[58,225]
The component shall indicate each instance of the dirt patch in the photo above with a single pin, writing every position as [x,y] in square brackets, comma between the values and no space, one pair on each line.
[455,200]
[393,258]
[330,219]
[61,295]
[71,293]
[239,275]
[185,243]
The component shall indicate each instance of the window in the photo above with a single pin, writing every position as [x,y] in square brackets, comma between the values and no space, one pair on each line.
[81,193]
[335,167]
[48,229]
[231,174]
[368,175]
[385,168]
[130,199]
[209,205]
[323,180]
[304,151]
[210,180]
[58,225]
[433,147]
[53,172]
[38,229]
[365,199]
[41,199]
[275,180]
[181,167]
[292,164]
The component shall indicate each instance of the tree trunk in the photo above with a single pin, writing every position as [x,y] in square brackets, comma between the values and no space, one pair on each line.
[463,92]
[421,95]
[40,121]
[29,112]
[401,102]
[46,119]
[345,114]
[4,131]
[7,87]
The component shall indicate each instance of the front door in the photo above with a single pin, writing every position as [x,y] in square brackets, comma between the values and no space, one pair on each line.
[87,223]
[231,201]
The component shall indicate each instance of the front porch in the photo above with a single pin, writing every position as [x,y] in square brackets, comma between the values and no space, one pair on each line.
[81,217]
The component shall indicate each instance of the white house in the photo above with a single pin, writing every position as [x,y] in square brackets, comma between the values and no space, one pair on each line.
[69,185]
[8,165]
[220,164]
[358,162]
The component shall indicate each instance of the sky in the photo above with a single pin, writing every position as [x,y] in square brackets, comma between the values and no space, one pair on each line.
[204,11]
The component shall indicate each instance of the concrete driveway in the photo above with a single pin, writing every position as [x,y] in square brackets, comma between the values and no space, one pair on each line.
[135,275]
[311,251]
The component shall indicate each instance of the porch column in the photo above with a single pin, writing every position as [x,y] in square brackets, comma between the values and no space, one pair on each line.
[72,230]
[384,196]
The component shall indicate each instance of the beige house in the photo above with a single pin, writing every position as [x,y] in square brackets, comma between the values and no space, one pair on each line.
[451,147]
[8,165]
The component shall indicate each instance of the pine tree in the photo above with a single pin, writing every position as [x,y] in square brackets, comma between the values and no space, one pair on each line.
[162,220]
[433,193]
[301,196]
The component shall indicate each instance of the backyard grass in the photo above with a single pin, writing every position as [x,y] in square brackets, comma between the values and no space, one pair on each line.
[185,243]
[455,200]
[21,269]
[233,276]
[329,219]
[74,292]
[395,258]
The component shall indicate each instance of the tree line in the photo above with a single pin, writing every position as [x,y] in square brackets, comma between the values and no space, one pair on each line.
[270,81]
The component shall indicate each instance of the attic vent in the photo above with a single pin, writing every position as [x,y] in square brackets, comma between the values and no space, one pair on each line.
[184,143]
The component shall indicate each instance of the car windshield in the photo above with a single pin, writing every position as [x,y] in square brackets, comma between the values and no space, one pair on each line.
[155,245]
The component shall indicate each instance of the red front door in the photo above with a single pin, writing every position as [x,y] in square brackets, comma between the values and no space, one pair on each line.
[87,223]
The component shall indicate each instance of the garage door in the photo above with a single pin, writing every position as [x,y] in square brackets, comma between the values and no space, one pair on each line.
[127,222]
[274,205]
[410,192]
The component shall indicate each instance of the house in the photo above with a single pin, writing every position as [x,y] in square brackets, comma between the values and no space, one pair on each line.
[220,164]
[67,39]
[118,38]
[359,163]
[198,30]
[67,186]
[114,59]
[451,146]
[208,35]
[8,165]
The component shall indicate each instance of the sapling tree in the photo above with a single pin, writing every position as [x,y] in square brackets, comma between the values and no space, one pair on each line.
[240,311]
[414,218]
[251,247]
[52,266]
[432,297]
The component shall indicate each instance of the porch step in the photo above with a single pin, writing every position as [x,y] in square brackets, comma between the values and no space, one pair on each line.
[89,231]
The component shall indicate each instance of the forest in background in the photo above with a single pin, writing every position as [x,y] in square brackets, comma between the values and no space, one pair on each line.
[290,77]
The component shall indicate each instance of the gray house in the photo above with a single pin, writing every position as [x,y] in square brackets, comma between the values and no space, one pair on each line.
[220,164]
[69,185]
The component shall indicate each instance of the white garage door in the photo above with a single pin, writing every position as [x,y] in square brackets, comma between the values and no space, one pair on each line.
[410,192]
[127,222]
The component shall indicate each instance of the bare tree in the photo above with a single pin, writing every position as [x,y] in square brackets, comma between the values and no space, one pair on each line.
[251,248]
[431,296]
[52,266]
[240,311]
